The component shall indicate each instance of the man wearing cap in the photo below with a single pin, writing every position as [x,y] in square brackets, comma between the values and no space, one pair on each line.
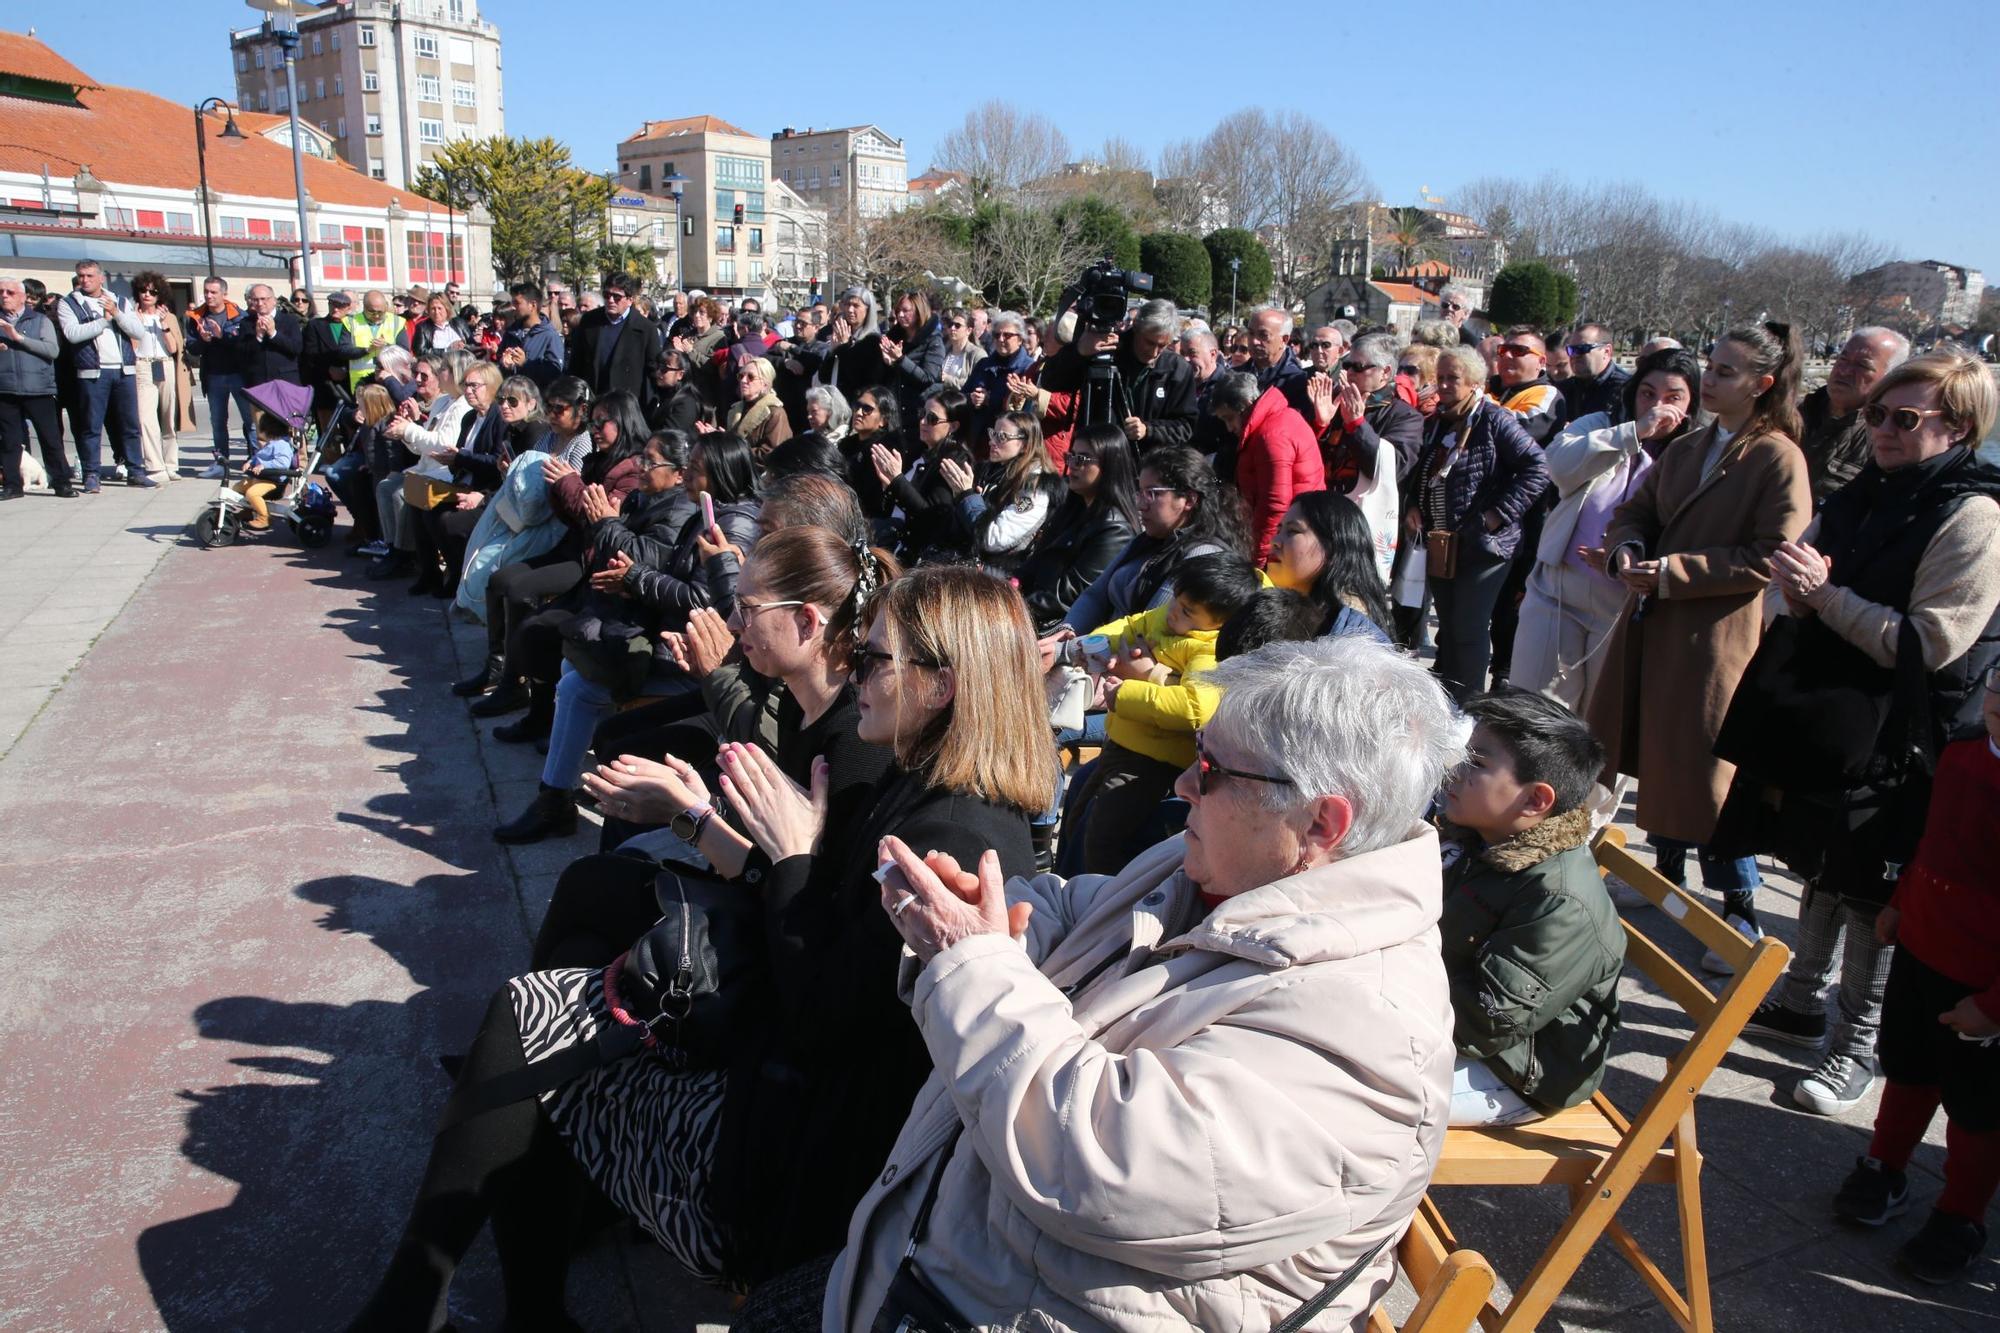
[323,353]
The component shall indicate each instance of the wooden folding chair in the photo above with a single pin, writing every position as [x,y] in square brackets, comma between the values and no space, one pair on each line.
[1452,1286]
[1596,1151]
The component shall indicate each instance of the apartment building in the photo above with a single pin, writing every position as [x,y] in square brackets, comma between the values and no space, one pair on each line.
[861,170]
[389,81]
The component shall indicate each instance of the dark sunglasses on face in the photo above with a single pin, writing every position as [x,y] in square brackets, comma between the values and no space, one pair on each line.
[1078,458]
[864,409]
[1327,345]
[1518,349]
[512,400]
[1207,771]
[1904,419]
[930,420]
[1015,435]
[1412,371]
[867,659]
[1356,367]
[1583,349]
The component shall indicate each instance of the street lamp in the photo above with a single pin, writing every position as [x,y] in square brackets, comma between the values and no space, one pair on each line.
[229,131]
[284,26]
[675,183]
[1235,266]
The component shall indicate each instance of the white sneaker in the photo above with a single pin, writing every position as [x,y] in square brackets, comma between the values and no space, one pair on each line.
[214,472]
[1711,961]
[1623,895]
[378,547]
[118,473]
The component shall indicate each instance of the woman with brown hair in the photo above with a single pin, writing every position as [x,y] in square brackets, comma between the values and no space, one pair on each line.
[1003,502]
[1693,546]
[161,372]
[743,1171]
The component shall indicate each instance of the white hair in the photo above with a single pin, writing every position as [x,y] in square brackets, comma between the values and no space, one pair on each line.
[838,414]
[1006,319]
[1284,316]
[1460,294]
[1377,349]
[1347,717]
[1158,316]
[1899,346]
[396,362]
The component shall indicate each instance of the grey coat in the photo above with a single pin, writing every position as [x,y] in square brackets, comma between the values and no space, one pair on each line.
[28,365]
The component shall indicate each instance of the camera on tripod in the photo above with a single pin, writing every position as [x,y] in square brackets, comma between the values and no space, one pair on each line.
[1105,290]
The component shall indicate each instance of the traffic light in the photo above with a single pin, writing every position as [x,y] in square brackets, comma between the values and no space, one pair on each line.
[739,215]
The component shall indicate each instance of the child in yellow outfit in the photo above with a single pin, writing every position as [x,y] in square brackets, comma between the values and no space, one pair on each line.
[1155,701]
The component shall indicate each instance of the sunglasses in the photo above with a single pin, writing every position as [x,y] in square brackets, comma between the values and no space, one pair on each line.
[1412,371]
[512,400]
[864,409]
[1078,458]
[1356,367]
[1453,305]
[957,324]
[867,659]
[1016,435]
[930,420]
[1328,345]
[1206,771]
[1583,349]
[1518,349]
[1905,419]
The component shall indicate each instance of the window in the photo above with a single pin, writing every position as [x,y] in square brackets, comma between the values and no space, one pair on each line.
[429,88]
[738,171]
[319,90]
[756,271]
[242,62]
[725,236]
[756,240]
[234,226]
[183,222]
[363,255]
[257,55]
[340,127]
[282,97]
[263,100]
[315,43]
[645,175]
[436,256]
[458,11]
[120,217]
[336,39]
[374,127]
[430,131]
[371,82]
[427,46]
[461,51]
[815,180]
[337,90]
[725,272]
[753,204]
[464,94]
[659,231]
[284,231]
[366,34]
[375,168]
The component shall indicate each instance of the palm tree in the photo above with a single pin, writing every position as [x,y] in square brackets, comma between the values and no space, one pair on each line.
[1408,237]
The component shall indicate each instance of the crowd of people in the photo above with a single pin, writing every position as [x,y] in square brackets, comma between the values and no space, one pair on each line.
[1036,713]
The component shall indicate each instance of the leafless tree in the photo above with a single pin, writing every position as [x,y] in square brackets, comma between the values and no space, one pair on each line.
[1000,149]
[1312,177]
[894,250]
[1030,253]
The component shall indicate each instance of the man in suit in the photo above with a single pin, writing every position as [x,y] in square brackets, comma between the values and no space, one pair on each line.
[268,340]
[615,347]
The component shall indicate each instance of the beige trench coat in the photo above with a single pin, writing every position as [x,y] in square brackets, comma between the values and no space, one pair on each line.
[1223,1121]
[1669,676]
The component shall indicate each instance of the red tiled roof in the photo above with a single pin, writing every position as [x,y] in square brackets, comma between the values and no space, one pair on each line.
[1430,268]
[1404,293]
[660,129]
[25,57]
[129,137]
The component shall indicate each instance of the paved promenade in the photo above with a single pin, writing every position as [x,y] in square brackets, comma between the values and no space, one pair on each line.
[249,895]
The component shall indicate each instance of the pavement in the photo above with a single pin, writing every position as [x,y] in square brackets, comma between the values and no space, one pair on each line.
[250,895]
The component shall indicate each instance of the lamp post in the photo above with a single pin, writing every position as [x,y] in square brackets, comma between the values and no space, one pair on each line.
[229,131]
[284,26]
[1235,267]
[675,183]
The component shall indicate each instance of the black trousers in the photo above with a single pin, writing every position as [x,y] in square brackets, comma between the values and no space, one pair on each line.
[1465,605]
[18,411]
[441,534]
[517,591]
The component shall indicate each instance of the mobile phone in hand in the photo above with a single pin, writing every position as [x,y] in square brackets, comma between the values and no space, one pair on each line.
[707,513]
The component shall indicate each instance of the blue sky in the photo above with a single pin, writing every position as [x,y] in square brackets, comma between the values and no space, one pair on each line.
[1801,117]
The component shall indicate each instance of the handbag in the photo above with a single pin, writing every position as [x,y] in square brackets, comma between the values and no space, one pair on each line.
[913,1305]
[426,493]
[693,979]
[615,656]
[1441,554]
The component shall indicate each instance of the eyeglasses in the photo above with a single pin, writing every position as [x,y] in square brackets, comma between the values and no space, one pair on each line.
[1078,458]
[1518,349]
[930,420]
[1356,367]
[598,423]
[956,324]
[1583,349]
[655,467]
[1905,419]
[1152,493]
[512,400]
[1014,435]
[1991,678]
[1006,335]
[1454,305]
[867,659]
[1412,371]
[1206,770]
[864,410]
[745,610]
[1329,345]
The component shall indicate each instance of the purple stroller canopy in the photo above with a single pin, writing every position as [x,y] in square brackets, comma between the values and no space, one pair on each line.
[288,402]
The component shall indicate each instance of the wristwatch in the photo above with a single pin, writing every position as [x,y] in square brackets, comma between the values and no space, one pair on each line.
[688,824]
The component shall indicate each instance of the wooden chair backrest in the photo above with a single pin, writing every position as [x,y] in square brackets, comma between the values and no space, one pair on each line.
[1452,1286]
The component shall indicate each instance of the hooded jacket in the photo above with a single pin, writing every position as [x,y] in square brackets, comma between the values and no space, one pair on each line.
[1210,1130]
[1533,948]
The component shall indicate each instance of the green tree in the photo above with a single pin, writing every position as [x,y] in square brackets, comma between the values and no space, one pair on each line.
[540,203]
[1253,282]
[1533,293]
[633,258]
[1101,226]
[1179,266]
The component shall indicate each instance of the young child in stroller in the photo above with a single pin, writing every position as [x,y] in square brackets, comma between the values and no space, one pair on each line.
[268,469]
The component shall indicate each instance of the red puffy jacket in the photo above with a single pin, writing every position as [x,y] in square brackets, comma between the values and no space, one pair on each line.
[1278,459]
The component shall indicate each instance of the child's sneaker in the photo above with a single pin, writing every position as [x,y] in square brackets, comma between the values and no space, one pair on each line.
[1943,1250]
[1713,962]
[1778,1023]
[1871,1194]
[1838,1084]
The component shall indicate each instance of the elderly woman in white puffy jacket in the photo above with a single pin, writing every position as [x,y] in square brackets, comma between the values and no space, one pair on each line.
[1204,1091]
[1596,462]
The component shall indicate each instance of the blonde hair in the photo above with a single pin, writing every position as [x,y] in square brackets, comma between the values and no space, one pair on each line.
[1425,357]
[761,368]
[992,740]
[486,373]
[374,405]
[1965,388]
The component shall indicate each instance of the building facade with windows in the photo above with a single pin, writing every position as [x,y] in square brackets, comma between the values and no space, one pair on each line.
[389,81]
[861,169]
[111,174]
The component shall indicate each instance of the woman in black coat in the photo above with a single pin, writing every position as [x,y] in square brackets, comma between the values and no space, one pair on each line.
[930,530]
[1097,520]
[746,1170]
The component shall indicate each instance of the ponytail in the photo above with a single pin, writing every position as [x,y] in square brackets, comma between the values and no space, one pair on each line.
[1775,351]
[817,566]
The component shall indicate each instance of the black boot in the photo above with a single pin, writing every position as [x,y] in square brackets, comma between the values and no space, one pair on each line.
[541,716]
[479,681]
[552,813]
[508,696]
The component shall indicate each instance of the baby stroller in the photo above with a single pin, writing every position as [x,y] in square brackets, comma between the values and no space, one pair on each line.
[303,503]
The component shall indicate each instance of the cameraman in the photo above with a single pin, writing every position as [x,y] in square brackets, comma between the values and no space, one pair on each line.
[1150,393]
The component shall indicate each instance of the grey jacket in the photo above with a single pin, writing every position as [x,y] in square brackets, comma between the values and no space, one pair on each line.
[28,363]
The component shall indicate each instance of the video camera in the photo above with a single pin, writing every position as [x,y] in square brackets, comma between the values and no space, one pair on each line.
[1104,291]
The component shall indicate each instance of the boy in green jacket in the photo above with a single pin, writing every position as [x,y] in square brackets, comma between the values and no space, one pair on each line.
[1532,943]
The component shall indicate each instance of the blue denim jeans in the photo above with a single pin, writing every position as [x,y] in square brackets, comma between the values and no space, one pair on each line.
[223,390]
[352,484]
[1736,880]
[580,706]
[115,395]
